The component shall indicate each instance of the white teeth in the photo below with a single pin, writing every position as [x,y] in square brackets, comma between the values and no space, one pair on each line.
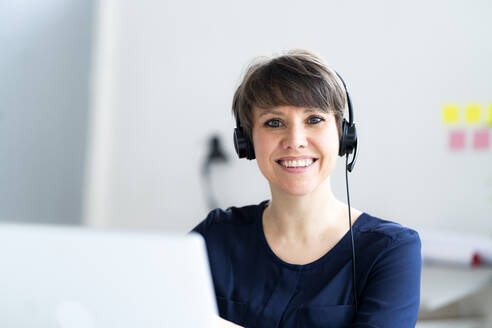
[298,163]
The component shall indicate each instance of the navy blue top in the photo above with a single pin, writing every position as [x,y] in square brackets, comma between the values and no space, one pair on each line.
[255,288]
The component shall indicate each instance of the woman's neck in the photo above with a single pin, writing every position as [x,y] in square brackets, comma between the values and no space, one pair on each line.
[304,218]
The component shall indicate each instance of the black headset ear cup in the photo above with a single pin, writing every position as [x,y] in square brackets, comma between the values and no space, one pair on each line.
[242,144]
[348,141]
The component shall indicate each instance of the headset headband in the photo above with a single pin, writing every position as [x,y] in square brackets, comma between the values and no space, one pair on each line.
[349,102]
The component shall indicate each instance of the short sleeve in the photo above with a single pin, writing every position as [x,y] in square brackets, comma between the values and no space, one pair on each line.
[391,297]
[203,227]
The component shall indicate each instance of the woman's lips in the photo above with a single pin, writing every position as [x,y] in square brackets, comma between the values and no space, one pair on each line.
[293,158]
[296,164]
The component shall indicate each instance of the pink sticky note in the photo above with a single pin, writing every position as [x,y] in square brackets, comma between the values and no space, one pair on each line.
[457,140]
[481,140]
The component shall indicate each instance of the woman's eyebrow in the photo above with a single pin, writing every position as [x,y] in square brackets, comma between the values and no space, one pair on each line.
[279,113]
[311,110]
[269,111]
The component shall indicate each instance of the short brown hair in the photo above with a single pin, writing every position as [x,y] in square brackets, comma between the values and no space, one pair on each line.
[298,78]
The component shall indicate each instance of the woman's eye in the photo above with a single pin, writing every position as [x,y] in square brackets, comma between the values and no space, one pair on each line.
[315,120]
[273,123]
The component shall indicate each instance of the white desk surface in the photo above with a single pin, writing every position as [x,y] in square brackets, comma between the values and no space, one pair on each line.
[444,285]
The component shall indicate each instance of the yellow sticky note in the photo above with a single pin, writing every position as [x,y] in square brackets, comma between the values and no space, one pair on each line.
[489,120]
[450,113]
[473,113]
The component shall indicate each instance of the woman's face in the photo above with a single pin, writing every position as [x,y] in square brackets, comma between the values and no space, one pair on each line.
[296,148]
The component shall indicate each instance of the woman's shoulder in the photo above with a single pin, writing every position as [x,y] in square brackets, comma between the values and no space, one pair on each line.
[231,217]
[371,225]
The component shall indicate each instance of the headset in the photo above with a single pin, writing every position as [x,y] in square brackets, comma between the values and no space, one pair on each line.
[348,144]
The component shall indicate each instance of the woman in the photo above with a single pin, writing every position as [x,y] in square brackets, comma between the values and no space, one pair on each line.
[287,262]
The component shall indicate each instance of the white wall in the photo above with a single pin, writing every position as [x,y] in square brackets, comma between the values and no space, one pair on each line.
[174,66]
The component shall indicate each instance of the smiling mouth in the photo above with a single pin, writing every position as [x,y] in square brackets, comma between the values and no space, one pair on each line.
[297,163]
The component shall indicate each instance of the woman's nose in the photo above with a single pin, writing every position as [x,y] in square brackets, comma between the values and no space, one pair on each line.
[295,138]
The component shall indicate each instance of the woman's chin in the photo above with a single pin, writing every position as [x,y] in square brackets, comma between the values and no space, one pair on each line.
[297,190]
